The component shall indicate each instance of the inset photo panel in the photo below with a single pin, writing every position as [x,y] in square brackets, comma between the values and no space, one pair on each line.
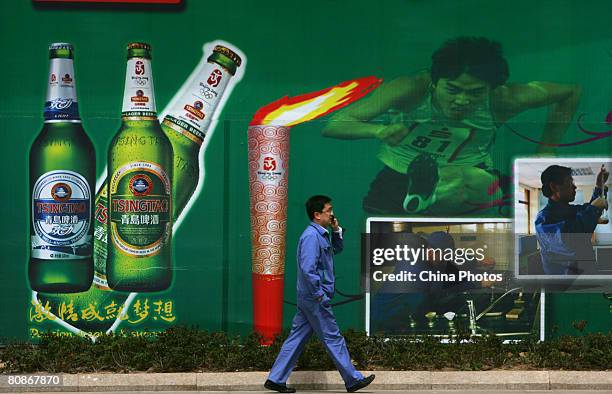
[561,219]
[441,276]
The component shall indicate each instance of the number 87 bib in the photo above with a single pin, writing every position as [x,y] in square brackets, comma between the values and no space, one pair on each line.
[442,142]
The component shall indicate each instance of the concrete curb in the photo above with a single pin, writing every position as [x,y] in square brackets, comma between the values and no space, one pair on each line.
[328,380]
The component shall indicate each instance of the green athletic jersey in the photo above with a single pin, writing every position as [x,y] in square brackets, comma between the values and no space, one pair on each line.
[463,143]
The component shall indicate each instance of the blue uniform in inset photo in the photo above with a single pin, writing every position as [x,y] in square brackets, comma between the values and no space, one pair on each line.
[564,232]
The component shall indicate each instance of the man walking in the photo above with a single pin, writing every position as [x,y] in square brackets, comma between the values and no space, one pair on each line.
[315,288]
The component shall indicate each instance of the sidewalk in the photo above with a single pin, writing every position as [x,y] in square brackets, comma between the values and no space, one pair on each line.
[326,380]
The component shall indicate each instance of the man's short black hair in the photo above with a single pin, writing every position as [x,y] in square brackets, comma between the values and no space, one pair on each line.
[316,204]
[554,174]
[476,56]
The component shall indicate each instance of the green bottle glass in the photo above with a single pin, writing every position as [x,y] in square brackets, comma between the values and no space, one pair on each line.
[186,125]
[62,177]
[139,247]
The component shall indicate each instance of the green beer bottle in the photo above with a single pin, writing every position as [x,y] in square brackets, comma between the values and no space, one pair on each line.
[189,117]
[139,248]
[186,126]
[62,178]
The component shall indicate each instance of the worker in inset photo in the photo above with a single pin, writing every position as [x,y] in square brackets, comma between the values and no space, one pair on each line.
[565,230]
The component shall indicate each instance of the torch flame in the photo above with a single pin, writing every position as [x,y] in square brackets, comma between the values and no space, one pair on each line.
[290,111]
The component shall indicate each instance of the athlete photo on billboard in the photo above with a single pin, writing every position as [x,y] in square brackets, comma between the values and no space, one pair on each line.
[440,126]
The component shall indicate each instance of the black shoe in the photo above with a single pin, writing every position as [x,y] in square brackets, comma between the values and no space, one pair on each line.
[281,388]
[423,179]
[361,384]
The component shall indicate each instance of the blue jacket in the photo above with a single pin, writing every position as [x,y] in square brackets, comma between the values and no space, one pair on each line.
[564,233]
[315,274]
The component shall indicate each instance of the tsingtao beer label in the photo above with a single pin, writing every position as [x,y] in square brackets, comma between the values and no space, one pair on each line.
[140,209]
[61,212]
[192,113]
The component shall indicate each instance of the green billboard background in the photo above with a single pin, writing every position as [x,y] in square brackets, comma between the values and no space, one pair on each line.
[292,48]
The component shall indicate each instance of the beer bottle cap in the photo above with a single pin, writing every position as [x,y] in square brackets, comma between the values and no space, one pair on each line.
[60,45]
[138,49]
[139,45]
[226,58]
[60,50]
[229,53]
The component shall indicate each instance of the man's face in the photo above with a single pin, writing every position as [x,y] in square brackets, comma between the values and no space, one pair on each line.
[457,98]
[324,217]
[567,190]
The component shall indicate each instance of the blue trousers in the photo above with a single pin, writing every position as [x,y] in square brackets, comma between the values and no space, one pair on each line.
[316,317]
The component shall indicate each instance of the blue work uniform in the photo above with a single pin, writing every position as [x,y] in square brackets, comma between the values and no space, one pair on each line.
[564,233]
[315,288]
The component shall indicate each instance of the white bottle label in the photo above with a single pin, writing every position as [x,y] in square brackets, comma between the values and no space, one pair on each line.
[192,113]
[61,101]
[138,95]
[61,216]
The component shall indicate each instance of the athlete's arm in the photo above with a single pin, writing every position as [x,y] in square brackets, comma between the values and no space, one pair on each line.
[562,101]
[353,122]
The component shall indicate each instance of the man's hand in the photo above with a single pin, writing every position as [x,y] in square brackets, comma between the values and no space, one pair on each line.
[392,134]
[334,224]
[602,177]
[600,203]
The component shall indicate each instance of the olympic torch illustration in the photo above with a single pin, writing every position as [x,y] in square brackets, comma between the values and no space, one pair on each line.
[268,156]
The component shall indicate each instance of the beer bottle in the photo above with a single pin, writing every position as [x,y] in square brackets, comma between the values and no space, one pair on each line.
[189,117]
[62,178]
[186,126]
[139,186]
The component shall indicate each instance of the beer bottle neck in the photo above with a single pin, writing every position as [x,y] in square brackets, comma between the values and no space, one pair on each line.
[139,95]
[139,122]
[190,115]
[61,101]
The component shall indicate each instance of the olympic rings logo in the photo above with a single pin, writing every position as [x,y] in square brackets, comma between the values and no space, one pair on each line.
[207,92]
[269,177]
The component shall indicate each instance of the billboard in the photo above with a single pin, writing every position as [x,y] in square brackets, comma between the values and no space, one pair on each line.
[456,94]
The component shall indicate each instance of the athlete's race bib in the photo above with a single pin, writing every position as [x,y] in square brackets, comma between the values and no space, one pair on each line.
[440,142]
